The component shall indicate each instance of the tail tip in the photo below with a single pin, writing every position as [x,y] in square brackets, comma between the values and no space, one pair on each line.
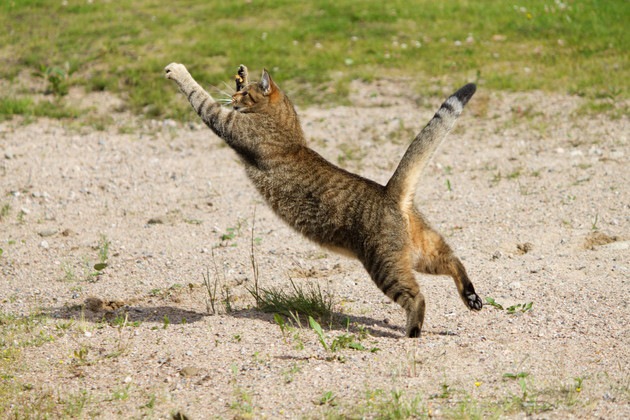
[465,93]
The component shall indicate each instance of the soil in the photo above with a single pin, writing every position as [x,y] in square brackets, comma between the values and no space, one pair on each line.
[531,193]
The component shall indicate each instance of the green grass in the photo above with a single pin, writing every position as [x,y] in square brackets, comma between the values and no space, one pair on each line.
[10,106]
[302,301]
[313,49]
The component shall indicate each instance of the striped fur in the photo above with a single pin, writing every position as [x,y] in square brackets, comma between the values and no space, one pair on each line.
[376,224]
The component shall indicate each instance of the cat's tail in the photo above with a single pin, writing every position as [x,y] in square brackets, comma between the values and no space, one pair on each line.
[402,185]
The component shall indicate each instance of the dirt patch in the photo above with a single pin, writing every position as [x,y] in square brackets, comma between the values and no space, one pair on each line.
[598,239]
[515,188]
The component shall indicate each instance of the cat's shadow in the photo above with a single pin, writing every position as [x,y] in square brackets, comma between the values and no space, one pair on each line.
[171,315]
[338,322]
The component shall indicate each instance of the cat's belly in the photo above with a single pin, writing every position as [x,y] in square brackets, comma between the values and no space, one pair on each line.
[340,250]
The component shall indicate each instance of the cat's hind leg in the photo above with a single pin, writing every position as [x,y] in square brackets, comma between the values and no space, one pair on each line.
[397,281]
[434,256]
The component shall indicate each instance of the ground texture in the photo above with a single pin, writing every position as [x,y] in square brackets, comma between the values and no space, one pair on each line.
[531,192]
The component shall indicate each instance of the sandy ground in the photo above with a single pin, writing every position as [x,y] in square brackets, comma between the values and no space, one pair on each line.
[533,196]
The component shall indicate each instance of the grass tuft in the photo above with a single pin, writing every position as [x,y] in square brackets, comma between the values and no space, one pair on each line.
[300,301]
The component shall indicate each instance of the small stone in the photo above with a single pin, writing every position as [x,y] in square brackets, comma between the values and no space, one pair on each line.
[44,244]
[189,371]
[155,221]
[8,155]
[47,232]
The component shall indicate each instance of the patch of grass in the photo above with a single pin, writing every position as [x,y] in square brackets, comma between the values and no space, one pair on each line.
[11,106]
[300,301]
[379,404]
[18,399]
[313,49]
[242,404]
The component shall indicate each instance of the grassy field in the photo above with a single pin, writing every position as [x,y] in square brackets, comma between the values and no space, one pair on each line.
[312,48]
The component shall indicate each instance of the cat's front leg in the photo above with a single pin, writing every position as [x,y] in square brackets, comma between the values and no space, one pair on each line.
[196,95]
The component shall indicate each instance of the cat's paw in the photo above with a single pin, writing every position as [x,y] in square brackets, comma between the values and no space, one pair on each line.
[473,301]
[175,71]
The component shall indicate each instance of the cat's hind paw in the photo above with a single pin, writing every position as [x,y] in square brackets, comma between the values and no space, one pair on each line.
[175,71]
[473,301]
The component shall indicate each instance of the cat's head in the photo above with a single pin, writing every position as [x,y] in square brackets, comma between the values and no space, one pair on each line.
[255,97]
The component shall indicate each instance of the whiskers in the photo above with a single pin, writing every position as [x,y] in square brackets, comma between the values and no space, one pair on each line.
[224,96]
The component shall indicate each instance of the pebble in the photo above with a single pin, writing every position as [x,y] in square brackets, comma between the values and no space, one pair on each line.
[44,244]
[189,371]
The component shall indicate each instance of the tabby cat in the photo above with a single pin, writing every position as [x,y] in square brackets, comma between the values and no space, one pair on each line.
[379,225]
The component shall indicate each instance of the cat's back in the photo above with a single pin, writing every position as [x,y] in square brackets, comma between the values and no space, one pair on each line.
[320,200]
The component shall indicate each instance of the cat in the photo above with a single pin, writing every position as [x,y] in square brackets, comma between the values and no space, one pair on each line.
[377,224]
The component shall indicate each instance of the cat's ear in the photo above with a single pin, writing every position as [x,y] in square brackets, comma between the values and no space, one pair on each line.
[267,85]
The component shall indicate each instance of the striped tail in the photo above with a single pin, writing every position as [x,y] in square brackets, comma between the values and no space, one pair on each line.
[402,185]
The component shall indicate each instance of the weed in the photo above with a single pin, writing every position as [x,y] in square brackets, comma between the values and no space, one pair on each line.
[392,405]
[103,249]
[56,78]
[328,398]
[4,211]
[75,403]
[231,233]
[212,291]
[282,324]
[122,393]
[448,185]
[227,299]
[318,330]
[490,301]
[520,307]
[151,403]
[80,355]
[289,374]
[514,174]
[343,341]
[594,224]
[496,178]
[252,256]
[64,325]
[302,302]
[20,217]
[69,274]
[243,404]
[165,322]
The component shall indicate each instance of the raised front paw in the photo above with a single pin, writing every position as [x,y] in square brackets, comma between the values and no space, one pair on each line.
[175,71]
